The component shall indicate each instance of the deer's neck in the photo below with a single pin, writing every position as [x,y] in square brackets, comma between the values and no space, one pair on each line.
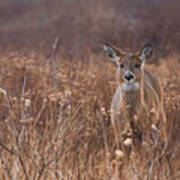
[131,97]
[132,101]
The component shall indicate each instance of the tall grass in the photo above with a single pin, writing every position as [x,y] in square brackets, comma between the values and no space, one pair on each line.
[55,121]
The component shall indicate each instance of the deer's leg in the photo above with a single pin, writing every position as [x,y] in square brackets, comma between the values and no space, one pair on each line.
[115,130]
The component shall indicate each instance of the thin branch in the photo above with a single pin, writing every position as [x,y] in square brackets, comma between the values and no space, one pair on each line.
[21,160]
[7,169]
[42,170]
[54,47]
[149,173]
[8,150]
[45,165]
[23,167]
[40,112]
[53,61]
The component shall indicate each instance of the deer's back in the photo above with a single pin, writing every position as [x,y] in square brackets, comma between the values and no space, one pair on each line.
[153,86]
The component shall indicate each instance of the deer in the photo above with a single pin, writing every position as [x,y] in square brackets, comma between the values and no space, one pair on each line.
[137,95]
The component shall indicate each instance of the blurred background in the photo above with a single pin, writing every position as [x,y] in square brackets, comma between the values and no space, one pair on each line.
[83,25]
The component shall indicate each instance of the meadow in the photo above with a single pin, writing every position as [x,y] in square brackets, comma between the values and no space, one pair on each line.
[55,98]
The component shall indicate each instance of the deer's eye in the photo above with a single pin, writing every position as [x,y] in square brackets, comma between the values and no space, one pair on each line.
[122,65]
[137,65]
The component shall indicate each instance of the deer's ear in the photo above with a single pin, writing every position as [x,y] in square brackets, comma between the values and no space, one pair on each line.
[146,52]
[113,53]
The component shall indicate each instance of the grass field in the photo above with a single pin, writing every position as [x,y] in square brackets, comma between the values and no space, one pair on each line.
[55,121]
[55,104]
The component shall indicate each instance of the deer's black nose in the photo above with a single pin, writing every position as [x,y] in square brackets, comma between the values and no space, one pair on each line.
[128,76]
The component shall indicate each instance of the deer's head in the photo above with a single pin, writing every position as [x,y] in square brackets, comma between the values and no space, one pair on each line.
[130,65]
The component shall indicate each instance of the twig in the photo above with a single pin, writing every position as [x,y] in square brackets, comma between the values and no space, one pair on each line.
[22,95]
[7,169]
[136,172]
[42,170]
[40,112]
[154,162]
[46,164]
[54,47]
[53,61]
[8,150]
[150,170]
[20,159]
[23,167]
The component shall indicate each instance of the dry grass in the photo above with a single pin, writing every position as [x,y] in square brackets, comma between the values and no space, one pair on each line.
[55,121]
[55,111]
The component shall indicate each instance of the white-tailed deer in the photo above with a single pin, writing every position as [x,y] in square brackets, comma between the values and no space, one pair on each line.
[138,94]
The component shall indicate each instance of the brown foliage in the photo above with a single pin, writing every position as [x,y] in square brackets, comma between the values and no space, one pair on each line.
[55,121]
